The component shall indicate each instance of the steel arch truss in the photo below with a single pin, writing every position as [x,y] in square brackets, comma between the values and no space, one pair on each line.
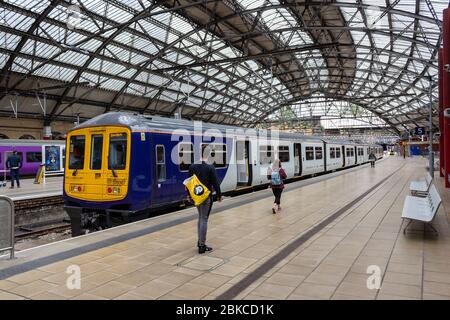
[240,62]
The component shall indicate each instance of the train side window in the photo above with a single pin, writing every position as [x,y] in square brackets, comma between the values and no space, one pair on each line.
[338,153]
[34,157]
[309,153]
[266,155]
[217,154]
[283,153]
[348,152]
[76,152]
[96,151]
[117,159]
[185,155]
[332,153]
[63,155]
[318,153]
[160,163]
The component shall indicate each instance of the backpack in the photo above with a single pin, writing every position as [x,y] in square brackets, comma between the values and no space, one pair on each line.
[276,178]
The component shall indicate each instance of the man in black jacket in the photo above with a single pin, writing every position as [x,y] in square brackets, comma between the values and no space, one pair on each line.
[206,173]
[13,163]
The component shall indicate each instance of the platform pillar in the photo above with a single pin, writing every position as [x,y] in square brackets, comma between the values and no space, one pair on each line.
[446,93]
[441,117]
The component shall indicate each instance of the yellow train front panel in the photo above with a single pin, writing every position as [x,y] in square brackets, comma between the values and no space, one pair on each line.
[98,163]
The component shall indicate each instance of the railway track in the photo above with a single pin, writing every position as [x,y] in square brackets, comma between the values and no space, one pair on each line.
[31,232]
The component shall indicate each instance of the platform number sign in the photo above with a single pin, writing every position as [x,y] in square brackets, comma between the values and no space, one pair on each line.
[419,131]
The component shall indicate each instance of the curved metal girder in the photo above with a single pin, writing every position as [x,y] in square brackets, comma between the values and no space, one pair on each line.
[4,73]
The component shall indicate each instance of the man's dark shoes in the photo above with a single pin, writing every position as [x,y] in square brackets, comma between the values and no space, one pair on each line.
[203,249]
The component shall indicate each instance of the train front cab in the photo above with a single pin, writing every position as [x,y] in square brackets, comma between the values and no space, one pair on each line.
[96,173]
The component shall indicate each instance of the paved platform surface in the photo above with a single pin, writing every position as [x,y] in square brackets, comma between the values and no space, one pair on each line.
[331,229]
[28,190]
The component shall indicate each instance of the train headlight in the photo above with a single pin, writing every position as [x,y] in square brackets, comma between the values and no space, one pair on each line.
[113,190]
[76,188]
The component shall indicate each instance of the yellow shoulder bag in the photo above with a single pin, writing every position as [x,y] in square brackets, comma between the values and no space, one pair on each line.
[197,190]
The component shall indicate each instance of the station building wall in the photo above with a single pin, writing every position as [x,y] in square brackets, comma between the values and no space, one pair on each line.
[13,128]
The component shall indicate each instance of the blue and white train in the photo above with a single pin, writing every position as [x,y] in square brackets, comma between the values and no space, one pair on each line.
[120,164]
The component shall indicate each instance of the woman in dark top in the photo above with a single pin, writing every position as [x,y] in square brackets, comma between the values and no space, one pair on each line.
[276,174]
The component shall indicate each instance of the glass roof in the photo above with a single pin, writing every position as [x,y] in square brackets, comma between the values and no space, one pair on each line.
[247,60]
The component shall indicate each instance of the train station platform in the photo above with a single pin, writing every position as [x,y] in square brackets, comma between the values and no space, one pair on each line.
[29,190]
[332,228]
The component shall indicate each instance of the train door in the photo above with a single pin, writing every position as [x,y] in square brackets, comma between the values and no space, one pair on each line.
[243,161]
[343,156]
[298,159]
[97,168]
[356,155]
[162,183]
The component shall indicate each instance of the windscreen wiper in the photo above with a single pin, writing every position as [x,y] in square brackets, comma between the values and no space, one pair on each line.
[75,172]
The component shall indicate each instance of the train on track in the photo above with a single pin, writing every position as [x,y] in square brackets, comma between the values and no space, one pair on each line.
[33,153]
[121,164]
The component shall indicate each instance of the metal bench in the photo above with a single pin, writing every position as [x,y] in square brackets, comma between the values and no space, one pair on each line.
[422,208]
[421,187]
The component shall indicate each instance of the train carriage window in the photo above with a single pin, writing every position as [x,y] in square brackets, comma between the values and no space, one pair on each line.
[34,157]
[348,152]
[185,155]
[266,154]
[96,151]
[216,154]
[63,155]
[160,163]
[318,153]
[332,153]
[283,153]
[338,153]
[76,153]
[309,153]
[117,158]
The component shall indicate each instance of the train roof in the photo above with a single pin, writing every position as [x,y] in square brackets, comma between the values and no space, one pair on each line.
[29,142]
[345,142]
[138,122]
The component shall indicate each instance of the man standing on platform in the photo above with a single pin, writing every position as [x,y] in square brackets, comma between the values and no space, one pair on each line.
[207,175]
[372,159]
[14,163]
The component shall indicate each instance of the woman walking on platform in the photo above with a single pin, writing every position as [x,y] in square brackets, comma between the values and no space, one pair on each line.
[276,174]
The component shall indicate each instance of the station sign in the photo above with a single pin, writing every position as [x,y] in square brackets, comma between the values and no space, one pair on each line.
[419,131]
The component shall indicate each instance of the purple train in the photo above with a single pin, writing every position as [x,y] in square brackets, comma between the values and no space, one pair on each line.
[31,153]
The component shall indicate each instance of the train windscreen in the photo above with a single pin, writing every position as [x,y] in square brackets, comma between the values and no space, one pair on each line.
[76,155]
[117,151]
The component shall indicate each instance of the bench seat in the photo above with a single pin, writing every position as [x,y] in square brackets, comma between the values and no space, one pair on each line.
[422,209]
[421,187]
[417,209]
